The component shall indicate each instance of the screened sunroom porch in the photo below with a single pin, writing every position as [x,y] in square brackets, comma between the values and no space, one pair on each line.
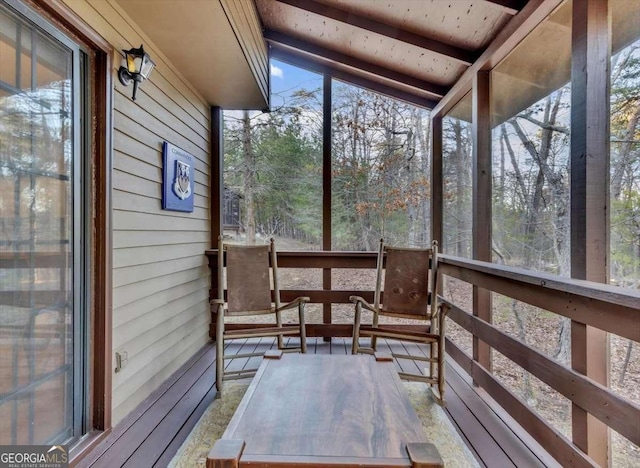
[505,130]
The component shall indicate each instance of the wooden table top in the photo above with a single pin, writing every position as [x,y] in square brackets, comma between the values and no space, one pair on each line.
[314,410]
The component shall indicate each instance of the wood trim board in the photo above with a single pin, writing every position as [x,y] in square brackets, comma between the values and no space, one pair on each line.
[617,412]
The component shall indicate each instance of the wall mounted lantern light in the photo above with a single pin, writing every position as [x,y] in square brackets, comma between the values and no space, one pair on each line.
[138,69]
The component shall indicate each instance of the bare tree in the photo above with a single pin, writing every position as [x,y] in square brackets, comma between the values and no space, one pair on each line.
[249,179]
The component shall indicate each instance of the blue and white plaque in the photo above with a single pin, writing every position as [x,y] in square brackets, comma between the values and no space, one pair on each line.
[177,186]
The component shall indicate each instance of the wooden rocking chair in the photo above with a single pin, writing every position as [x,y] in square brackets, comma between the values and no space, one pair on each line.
[248,289]
[410,291]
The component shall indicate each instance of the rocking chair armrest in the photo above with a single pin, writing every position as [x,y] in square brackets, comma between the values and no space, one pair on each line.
[442,309]
[294,303]
[365,304]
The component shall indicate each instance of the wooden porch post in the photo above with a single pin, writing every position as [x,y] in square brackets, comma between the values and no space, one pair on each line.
[216,195]
[326,189]
[481,225]
[436,181]
[217,182]
[590,114]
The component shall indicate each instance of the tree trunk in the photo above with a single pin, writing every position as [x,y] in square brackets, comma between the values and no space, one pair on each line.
[460,192]
[415,194]
[424,138]
[625,365]
[249,180]
[623,160]
[527,389]
[557,199]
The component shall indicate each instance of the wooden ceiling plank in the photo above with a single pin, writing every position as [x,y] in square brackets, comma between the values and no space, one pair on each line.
[533,13]
[464,56]
[512,7]
[310,63]
[276,37]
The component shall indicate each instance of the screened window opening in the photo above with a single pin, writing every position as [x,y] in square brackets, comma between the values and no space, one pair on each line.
[380,168]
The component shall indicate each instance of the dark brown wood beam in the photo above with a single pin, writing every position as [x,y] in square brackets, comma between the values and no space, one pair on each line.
[437,182]
[590,161]
[275,37]
[326,188]
[608,308]
[326,166]
[316,296]
[619,413]
[464,56]
[553,441]
[512,7]
[216,190]
[481,202]
[314,259]
[315,65]
[325,330]
[216,186]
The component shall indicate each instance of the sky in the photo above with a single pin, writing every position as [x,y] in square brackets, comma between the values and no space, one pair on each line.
[286,79]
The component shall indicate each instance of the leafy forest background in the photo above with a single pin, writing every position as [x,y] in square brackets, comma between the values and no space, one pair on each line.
[380,172]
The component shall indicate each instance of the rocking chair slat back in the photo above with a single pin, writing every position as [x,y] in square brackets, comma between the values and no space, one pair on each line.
[250,271]
[248,281]
[406,282]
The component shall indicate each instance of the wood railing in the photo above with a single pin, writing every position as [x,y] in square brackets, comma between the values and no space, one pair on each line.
[32,350]
[311,260]
[605,307]
[33,297]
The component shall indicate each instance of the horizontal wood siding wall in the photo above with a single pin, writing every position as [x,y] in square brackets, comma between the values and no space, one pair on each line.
[160,276]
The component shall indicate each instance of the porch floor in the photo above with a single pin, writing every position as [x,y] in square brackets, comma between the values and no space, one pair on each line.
[151,435]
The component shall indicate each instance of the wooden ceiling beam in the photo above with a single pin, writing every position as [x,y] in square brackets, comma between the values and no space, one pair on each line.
[512,7]
[464,56]
[313,64]
[275,37]
[533,13]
